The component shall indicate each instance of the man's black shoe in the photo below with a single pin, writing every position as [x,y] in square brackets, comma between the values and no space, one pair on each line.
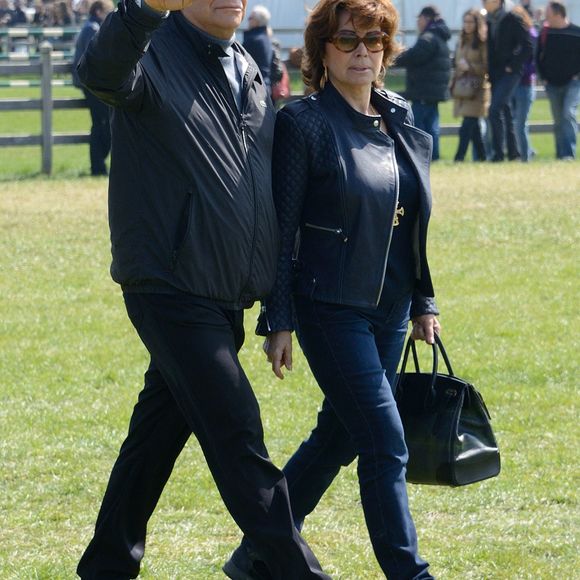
[243,565]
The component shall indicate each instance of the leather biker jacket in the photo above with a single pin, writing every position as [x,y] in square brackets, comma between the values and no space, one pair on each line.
[335,184]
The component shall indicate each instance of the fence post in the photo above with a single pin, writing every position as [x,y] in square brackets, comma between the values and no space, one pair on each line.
[46,111]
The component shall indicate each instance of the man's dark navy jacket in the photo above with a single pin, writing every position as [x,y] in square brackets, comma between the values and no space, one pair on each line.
[190,202]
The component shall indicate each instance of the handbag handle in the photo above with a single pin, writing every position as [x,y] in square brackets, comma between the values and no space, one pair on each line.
[437,347]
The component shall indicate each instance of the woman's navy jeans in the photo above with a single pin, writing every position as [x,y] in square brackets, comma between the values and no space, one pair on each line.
[353,354]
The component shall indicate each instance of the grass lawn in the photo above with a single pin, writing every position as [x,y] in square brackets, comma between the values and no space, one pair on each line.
[503,251]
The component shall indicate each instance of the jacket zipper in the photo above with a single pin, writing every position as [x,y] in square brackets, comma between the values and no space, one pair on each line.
[243,131]
[337,231]
[396,174]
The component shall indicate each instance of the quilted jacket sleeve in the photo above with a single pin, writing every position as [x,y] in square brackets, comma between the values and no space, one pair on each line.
[289,181]
[422,305]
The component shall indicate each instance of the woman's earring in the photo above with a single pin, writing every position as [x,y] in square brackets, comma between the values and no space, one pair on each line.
[324,78]
[381,75]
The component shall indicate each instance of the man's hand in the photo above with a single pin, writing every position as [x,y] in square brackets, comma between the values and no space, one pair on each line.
[164,5]
[278,349]
[425,327]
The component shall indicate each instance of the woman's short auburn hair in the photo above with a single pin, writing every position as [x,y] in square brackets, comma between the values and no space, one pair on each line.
[323,24]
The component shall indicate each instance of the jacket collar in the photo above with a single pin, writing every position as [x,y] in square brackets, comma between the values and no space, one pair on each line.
[394,109]
[204,44]
[416,143]
[388,108]
[206,49]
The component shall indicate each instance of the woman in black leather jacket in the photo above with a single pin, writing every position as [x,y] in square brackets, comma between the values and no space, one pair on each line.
[352,193]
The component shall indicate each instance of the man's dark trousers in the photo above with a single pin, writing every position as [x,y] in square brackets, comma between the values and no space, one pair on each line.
[100,140]
[194,384]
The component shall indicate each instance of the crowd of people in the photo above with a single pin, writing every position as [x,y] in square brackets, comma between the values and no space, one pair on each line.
[43,12]
[496,61]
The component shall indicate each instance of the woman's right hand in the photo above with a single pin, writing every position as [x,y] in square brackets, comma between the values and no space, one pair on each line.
[278,349]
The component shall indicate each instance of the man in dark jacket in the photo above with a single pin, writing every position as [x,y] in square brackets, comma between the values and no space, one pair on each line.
[194,241]
[428,67]
[558,59]
[509,48]
[100,140]
[258,43]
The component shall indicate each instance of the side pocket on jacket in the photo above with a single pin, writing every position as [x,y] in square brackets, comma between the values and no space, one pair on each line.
[183,228]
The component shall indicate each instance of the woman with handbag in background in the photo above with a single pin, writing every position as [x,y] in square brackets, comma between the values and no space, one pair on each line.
[469,86]
[351,182]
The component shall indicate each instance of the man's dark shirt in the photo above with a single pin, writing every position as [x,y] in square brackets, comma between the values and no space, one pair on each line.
[558,54]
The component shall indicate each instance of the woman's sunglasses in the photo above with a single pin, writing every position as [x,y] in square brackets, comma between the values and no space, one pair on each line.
[347,41]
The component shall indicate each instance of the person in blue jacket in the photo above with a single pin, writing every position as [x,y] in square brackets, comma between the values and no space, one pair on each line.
[100,139]
[428,64]
[509,47]
[258,43]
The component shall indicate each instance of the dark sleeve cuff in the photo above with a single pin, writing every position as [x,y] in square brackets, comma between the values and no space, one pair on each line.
[143,15]
[421,305]
[262,327]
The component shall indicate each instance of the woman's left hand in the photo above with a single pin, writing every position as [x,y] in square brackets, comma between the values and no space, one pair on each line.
[425,327]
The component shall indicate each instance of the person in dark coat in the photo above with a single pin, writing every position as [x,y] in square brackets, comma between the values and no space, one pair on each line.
[194,241]
[258,43]
[428,67]
[510,47]
[100,139]
[18,17]
[558,59]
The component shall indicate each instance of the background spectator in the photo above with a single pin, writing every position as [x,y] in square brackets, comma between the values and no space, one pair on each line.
[471,59]
[279,77]
[428,72]
[509,47]
[100,140]
[527,6]
[5,13]
[525,92]
[18,16]
[558,60]
[62,14]
[258,43]
[42,14]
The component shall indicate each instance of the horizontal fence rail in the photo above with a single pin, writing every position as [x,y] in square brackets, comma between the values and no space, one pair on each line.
[45,69]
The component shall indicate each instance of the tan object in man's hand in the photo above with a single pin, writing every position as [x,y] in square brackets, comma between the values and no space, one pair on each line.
[165,5]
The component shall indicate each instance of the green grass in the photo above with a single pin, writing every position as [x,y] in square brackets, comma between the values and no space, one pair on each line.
[503,250]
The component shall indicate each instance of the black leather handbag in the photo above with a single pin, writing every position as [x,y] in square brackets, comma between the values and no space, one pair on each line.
[447,425]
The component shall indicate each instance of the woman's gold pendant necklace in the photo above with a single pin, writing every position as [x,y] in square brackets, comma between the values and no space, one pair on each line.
[400,211]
